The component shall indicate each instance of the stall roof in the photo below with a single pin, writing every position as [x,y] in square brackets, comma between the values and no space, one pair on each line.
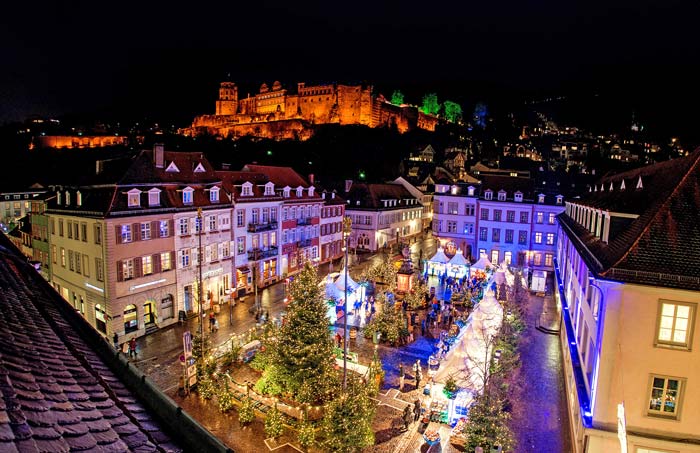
[483,263]
[440,257]
[459,259]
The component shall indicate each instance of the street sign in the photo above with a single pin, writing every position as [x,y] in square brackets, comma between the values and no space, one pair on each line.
[187,342]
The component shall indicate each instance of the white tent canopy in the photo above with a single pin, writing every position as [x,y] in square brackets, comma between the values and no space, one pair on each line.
[482,264]
[440,257]
[340,282]
[459,259]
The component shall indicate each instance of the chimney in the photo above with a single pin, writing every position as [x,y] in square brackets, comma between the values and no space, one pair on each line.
[311,178]
[159,155]
[99,166]
[348,184]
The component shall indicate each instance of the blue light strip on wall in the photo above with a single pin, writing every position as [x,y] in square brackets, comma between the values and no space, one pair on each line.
[583,397]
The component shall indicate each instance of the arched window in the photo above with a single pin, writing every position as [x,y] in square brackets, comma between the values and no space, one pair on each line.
[131,321]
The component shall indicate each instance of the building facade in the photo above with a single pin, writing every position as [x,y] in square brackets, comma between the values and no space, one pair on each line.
[502,217]
[629,290]
[381,214]
[331,227]
[15,205]
[122,253]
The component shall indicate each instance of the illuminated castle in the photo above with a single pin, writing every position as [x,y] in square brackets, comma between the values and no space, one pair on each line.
[278,113]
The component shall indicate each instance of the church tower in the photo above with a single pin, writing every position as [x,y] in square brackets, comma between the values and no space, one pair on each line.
[227,104]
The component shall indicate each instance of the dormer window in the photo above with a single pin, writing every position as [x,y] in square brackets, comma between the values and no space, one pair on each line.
[488,195]
[247,189]
[58,197]
[187,195]
[454,190]
[154,197]
[300,192]
[286,191]
[172,168]
[470,191]
[214,194]
[540,198]
[67,198]
[199,168]
[134,198]
[502,195]
[560,199]
[269,189]
[519,197]
[311,191]
[78,198]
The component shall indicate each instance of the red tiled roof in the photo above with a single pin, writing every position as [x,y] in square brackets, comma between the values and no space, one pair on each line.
[281,176]
[661,245]
[371,196]
[58,395]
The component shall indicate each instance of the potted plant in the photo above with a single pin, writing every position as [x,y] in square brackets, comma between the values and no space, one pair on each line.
[450,388]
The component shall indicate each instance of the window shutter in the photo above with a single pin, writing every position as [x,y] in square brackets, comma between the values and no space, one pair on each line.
[171,227]
[173,263]
[120,271]
[138,267]
[118,233]
[155,229]
[136,231]
[156,263]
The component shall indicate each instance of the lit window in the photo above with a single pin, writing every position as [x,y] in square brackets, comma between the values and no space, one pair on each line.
[147,265]
[675,323]
[134,198]
[126,233]
[548,260]
[552,218]
[470,191]
[550,238]
[127,269]
[164,228]
[187,195]
[165,263]
[665,396]
[538,238]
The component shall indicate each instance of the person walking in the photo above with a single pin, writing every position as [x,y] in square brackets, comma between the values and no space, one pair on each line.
[132,348]
[115,339]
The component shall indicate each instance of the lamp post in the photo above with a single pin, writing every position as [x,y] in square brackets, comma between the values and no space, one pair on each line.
[199,285]
[347,228]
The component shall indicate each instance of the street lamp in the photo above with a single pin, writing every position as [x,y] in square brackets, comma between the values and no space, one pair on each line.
[199,286]
[347,229]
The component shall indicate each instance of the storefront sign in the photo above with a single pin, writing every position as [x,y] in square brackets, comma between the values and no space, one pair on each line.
[187,341]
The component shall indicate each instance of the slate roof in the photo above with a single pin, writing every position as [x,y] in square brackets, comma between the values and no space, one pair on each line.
[58,395]
[283,177]
[371,196]
[659,247]
[233,181]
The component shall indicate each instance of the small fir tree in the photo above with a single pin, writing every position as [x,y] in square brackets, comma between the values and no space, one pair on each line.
[273,423]
[453,111]
[430,106]
[224,396]
[487,425]
[347,423]
[397,98]
[205,387]
[307,434]
[246,413]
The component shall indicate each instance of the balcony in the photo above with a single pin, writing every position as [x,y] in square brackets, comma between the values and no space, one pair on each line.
[259,254]
[304,243]
[304,221]
[257,227]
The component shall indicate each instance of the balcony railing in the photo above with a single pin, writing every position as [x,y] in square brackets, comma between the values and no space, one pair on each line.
[259,254]
[304,221]
[304,243]
[256,227]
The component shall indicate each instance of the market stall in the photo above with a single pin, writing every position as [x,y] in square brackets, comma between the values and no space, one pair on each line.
[437,265]
[458,266]
[483,264]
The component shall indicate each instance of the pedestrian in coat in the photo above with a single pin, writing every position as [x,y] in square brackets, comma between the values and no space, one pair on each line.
[115,339]
[422,327]
[416,410]
[132,348]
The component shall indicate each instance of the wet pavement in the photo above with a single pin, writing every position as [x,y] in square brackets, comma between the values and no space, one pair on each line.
[540,419]
[539,406]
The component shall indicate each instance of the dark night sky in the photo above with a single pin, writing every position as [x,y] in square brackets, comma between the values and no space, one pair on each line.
[166,58]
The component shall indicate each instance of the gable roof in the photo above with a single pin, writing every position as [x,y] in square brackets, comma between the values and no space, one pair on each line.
[281,176]
[371,196]
[661,245]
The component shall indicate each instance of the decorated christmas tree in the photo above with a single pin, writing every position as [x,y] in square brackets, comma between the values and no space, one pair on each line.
[301,357]
[487,425]
[347,423]
[246,413]
[307,433]
[273,423]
